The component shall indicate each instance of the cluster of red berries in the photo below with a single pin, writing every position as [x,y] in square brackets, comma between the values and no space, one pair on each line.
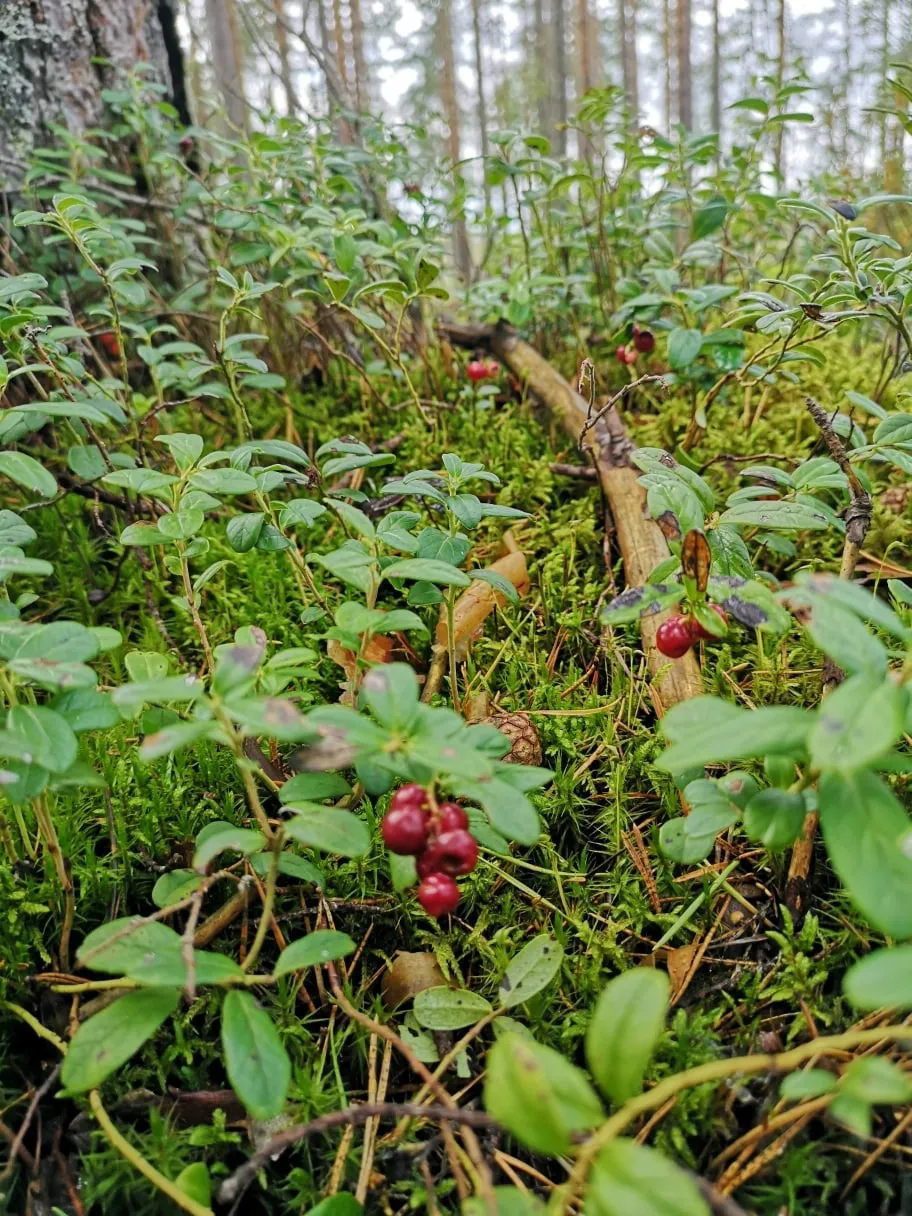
[483,369]
[438,838]
[675,636]
[642,343]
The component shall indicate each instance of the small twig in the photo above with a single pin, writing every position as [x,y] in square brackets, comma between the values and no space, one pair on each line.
[583,472]
[26,1122]
[353,1115]
[593,419]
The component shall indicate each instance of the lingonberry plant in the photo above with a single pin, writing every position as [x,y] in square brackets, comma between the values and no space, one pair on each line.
[268,877]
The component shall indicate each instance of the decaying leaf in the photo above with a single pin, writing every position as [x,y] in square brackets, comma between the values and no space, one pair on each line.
[696,558]
[410,974]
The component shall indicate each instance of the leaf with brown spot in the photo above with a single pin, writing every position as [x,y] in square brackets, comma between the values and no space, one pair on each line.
[696,558]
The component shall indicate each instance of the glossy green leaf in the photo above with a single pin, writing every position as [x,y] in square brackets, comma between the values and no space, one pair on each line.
[625,1027]
[112,1036]
[256,1061]
[320,946]
[531,970]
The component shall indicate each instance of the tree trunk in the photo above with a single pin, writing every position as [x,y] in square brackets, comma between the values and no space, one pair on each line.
[542,71]
[281,39]
[627,33]
[362,79]
[685,76]
[482,103]
[559,47]
[48,75]
[454,140]
[781,56]
[667,57]
[716,116]
[582,43]
[227,61]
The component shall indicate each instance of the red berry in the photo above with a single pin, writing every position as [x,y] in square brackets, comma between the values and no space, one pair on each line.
[644,340]
[674,638]
[438,895]
[405,830]
[451,817]
[428,861]
[412,796]
[621,354]
[492,369]
[109,344]
[458,852]
[477,370]
[698,632]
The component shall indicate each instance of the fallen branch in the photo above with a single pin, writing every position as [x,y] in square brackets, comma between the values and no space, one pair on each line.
[857,520]
[609,447]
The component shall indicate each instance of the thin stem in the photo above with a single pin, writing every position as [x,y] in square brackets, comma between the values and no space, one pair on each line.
[52,844]
[716,1070]
[190,596]
[268,903]
[140,1164]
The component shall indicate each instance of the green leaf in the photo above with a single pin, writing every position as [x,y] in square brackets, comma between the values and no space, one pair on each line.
[330,830]
[172,738]
[636,602]
[124,943]
[508,1201]
[313,787]
[683,347]
[705,730]
[427,570]
[175,886]
[321,946]
[47,736]
[876,1080]
[538,1096]
[498,581]
[111,1037]
[444,1008]
[690,838]
[531,970]
[857,723]
[256,1061]
[774,818]
[26,471]
[867,833]
[169,967]
[238,840]
[342,1204]
[709,218]
[630,1179]
[195,1183]
[291,865]
[86,709]
[626,1025]
[390,692]
[775,516]
[881,980]
[811,1083]
[243,531]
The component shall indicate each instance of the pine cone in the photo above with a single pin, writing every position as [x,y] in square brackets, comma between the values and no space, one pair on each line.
[525,744]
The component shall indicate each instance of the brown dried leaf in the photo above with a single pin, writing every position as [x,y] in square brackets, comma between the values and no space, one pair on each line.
[409,975]
[696,558]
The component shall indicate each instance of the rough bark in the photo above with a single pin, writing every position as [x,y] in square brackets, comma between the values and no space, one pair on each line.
[667,93]
[285,72]
[482,101]
[781,57]
[47,73]
[641,542]
[542,62]
[716,115]
[362,77]
[627,29]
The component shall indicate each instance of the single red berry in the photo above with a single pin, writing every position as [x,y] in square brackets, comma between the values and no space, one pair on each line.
[674,638]
[492,368]
[405,830]
[451,817]
[412,796]
[477,370]
[698,632]
[109,344]
[621,354]
[428,861]
[438,895]
[458,852]
[644,340]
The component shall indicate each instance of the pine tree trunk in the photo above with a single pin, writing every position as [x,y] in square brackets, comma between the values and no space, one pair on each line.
[362,79]
[685,76]
[716,117]
[227,61]
[627,32]
[559,47]
[454,139]
[47,73]
[482,102]
[281,40]
[668,93]
[582,58]
[542,71]
[781,58]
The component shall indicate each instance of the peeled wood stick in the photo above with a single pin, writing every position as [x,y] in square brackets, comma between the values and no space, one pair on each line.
[858,520]
[641,542]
